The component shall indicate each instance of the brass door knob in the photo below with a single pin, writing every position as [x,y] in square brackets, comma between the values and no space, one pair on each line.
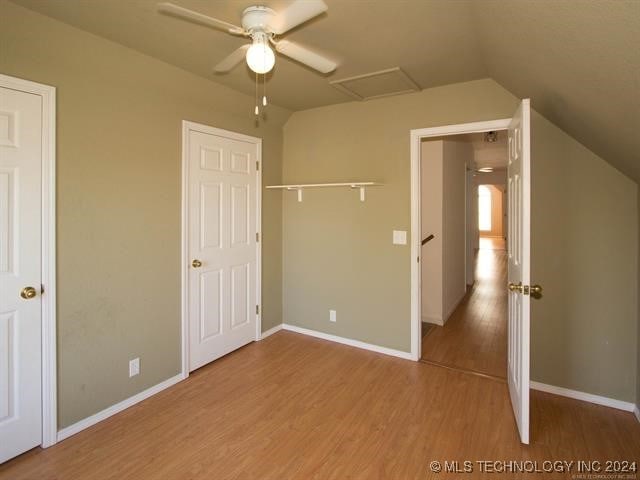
[516,287]
[536,291]
[196,263]
[28,293]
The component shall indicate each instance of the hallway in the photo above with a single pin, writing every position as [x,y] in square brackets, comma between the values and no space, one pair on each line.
[475,336]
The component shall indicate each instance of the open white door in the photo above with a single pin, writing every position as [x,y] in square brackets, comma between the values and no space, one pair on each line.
[519,243]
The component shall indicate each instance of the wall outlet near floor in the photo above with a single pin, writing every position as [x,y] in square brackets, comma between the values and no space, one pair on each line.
[332,316]
[134,367]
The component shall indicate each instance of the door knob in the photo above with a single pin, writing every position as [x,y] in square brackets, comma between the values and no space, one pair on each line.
[536,291]
[516,287]
[196,263]
[28,293]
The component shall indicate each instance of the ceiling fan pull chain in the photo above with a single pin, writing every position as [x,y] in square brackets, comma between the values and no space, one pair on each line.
[257,110]
[264,90]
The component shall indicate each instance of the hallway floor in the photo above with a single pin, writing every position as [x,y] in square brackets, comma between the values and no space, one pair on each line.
[475,336]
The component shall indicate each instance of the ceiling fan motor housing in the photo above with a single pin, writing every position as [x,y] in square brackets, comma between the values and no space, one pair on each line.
[257,18]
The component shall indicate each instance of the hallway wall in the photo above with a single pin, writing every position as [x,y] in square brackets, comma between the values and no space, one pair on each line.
[431,174]
[443,211]
[457,155]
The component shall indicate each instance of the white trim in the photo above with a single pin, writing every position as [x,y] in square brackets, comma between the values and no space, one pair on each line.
[585,397]
[184,254]
[348,341]
[455,306]
[188,126]
[432,320]
[258,142]
[636,412]
[416,135]
[49,363]
[118,407]
[271,331]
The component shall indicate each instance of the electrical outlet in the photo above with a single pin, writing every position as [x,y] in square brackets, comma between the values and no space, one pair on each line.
[332,316]
[134,367]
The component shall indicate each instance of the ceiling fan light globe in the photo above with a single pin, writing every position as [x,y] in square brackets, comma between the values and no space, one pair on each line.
[260,58]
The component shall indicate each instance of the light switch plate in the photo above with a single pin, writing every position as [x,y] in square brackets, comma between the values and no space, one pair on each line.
[399,237]
[134,367]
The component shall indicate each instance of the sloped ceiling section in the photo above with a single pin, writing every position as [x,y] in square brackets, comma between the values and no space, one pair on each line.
[577,60]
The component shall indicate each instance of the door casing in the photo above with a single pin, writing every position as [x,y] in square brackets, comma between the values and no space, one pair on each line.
[187,127]
[47,252]
[416,136]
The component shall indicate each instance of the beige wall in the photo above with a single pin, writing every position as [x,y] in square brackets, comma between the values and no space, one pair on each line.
[119,125]
[585,255]
[431,165]
[339,252]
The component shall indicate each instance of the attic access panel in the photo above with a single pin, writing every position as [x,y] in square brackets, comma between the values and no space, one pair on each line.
[383,83]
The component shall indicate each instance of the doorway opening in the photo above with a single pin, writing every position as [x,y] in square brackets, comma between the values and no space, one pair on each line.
[28,390]
[463,269]
[519,242]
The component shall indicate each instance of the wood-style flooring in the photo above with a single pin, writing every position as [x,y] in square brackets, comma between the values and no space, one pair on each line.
[475,336]
[296,407]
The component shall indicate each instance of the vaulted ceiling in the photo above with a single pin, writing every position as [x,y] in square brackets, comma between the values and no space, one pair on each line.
[578,61]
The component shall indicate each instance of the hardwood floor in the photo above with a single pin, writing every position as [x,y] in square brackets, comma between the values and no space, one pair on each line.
[295,407]
[475,336]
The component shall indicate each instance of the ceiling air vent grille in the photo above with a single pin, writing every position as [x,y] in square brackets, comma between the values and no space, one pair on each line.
[392,81]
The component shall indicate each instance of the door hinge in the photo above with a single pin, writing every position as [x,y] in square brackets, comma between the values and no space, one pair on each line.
[417,259]
[257,309]
[257,165]
[257,236]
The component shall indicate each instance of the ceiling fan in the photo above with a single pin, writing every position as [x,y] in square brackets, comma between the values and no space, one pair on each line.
[263,25]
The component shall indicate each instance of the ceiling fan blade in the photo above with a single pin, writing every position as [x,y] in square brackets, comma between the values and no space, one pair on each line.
[185,13]
[298,12]
[303,55]
[233,59]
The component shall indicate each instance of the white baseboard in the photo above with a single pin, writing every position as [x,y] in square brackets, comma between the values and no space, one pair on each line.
[348,341]
[586,397]
[118,407]
[271,331]
[433,320]
[636,412]
[453,308]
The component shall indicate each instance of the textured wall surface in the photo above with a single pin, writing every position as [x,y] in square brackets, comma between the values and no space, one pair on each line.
[338,251]
[119,181]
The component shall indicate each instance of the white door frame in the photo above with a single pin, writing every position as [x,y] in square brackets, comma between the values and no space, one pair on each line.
[48,251]
[416,136]
[188,127]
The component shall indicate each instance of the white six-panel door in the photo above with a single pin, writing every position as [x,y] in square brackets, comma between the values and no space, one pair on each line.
[222,242]
[20,267]
[519,241]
